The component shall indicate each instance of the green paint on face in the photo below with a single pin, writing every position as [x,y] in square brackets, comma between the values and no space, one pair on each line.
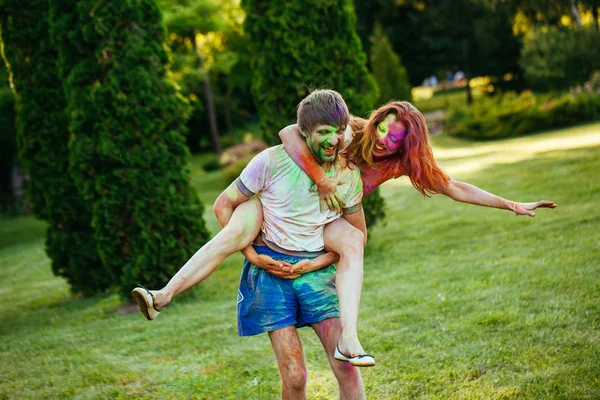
[324,142]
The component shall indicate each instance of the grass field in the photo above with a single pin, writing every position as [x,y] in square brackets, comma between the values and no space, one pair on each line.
[459,302]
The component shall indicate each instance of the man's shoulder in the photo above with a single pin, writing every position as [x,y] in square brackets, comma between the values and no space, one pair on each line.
[343,166]
[272,149]
[269,153]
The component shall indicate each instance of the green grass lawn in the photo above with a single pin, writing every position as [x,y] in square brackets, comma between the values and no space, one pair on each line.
[459,302]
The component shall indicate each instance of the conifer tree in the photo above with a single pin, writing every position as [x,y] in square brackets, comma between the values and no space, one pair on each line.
[390,75]
[300,44]
[42,139]
[127,123]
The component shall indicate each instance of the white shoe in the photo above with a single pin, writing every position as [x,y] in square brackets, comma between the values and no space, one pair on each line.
[145,301]
[361,360]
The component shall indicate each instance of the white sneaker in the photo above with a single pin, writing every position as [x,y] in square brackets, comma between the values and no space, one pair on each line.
[145,301]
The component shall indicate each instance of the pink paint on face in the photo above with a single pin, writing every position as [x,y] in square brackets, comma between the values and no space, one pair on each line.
[391,134]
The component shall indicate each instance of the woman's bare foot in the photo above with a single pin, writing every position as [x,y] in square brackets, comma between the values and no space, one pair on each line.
[350,350]
[161,299]
[350,346]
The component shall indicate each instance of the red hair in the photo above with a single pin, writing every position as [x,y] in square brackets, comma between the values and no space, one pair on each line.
[414,159]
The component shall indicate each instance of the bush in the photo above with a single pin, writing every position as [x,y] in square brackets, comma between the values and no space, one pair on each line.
[516,115]
[374,207]
[234,170]
[212,163]
[42,139]
[128,154]
[556,59]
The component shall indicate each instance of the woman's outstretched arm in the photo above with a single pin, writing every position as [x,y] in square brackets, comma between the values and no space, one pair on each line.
[298,150]
[467,193]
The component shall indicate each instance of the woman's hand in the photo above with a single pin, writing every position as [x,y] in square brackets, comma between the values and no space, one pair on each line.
[303,267]
[527,208]
[327,189]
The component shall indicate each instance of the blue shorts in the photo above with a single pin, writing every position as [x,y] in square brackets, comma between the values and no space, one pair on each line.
[267,303]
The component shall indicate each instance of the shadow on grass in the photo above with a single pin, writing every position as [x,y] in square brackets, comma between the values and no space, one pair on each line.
[19,230]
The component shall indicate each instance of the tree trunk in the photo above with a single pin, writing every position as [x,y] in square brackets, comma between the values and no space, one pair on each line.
[595,14]
[465,49]
[210,108]
[227,106]
[468,90]
[575,13]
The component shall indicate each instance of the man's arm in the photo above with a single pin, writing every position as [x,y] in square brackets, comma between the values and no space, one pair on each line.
[223,209]
[227,202]
[356,218]
[298,150]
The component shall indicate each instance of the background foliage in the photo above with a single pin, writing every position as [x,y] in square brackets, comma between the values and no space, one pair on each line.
[514,114]
[42,138]
[388,71]
[210,51]
[127,122]
[8,144]
[556,59]
[296,46]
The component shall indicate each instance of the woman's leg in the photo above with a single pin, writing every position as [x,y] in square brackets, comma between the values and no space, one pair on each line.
[242,229]
[347,241]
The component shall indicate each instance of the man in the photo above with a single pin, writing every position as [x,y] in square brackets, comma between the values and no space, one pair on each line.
[292,232]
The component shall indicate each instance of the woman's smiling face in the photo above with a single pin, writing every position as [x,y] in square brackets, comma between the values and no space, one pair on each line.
[391,134]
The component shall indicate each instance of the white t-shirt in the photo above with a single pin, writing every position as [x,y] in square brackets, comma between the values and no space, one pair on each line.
[292,216]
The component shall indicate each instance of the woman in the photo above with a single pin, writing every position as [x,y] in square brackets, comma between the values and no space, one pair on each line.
[393,142]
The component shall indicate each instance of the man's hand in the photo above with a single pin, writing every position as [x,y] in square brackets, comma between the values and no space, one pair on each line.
[328,193]
[527,208]
[280,269]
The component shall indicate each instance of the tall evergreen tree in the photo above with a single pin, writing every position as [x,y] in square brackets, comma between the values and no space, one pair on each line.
[127,123]
[299,44]
[8,134]
[42,138]
[387,69]
[296,45]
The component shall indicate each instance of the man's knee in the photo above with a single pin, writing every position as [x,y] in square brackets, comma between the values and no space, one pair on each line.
[294,376]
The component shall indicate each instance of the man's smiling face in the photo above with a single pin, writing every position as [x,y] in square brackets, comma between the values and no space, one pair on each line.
[324,142]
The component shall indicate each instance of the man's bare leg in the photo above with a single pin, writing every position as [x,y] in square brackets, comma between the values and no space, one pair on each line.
[348,376]
[347,241]
[242,229]
[290,359]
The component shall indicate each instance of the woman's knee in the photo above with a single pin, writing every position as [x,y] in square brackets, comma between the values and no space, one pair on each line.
[350,243]
[244,224]
[355,237]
